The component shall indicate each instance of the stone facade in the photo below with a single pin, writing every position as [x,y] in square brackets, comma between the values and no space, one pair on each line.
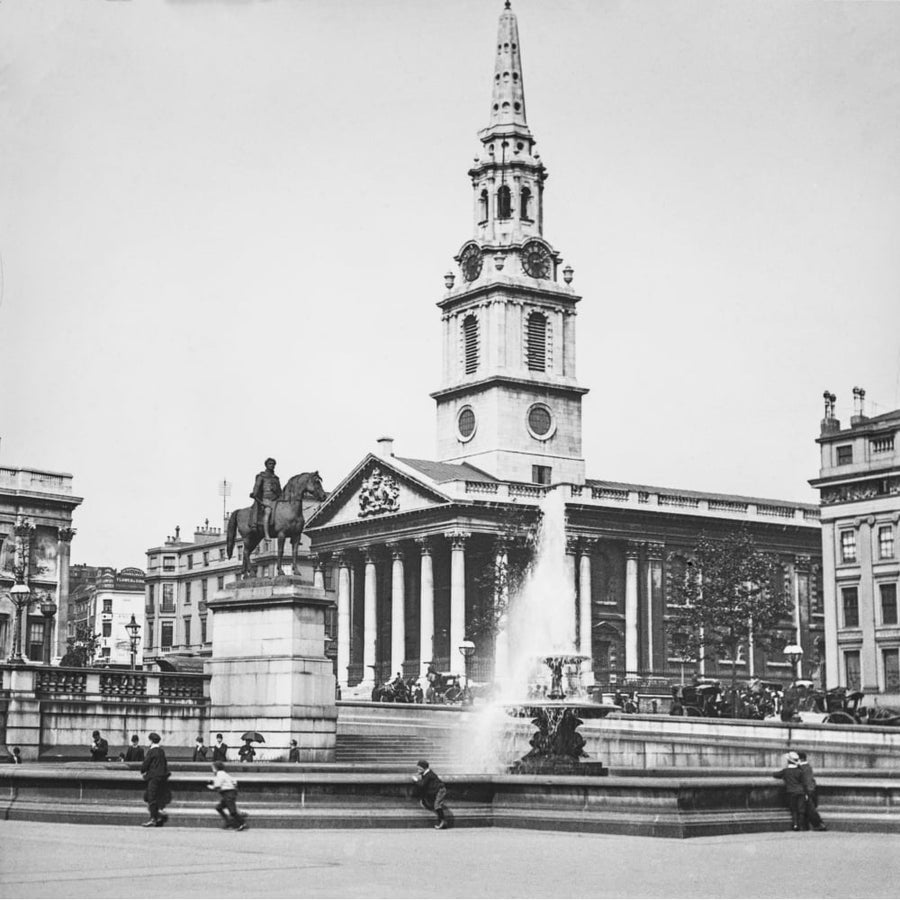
[36,509]
[859,483]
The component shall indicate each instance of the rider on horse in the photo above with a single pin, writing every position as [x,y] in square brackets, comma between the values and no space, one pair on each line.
[266,490]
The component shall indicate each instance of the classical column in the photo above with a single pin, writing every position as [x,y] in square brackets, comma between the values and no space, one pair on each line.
[318,572]
[457,595]
[631,610]
[64,555]
[426,605]
[343,622]
[829,605]
[398,610]
[571,577]
[586,634]
[370,626]
[869,652]
[654,598]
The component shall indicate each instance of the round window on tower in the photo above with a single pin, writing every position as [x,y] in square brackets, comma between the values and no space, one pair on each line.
[466,424]
[540,422]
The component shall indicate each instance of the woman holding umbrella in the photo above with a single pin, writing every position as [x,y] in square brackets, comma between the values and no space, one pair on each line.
[247,754]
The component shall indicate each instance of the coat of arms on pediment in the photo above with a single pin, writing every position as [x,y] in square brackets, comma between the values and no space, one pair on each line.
[379,494]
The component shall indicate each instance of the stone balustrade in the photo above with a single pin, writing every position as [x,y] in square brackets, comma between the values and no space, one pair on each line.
[35,481]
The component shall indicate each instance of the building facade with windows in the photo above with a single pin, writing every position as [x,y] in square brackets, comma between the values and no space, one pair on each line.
[182,576]
[103,600]
[414,541]
[36,509]
[859,485]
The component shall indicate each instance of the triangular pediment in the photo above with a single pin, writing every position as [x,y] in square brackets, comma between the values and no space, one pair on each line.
[375,488]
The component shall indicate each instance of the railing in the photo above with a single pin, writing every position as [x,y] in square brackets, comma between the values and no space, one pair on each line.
[883,444]
[609,494]
[728,506]
[678,500]
[123,683]
[61,681]
[53,681]
[482,487]
[181,687]
[784,512]
[812,514]
[527,490]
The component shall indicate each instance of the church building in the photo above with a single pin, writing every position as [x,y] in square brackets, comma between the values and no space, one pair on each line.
[422,547]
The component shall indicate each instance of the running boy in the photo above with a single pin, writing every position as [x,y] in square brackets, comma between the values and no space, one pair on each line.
[227,805]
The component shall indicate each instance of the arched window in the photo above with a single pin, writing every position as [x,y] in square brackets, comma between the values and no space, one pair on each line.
[470,343]
[504,202]
[536,342]
[483,206]
[525,204]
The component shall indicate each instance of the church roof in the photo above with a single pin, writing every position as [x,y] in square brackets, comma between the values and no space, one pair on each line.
[441,472]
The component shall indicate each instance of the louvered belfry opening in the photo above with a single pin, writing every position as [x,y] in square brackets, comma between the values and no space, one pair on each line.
[470,343]
[536,351]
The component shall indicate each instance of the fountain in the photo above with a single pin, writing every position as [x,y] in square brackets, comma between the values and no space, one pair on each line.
[539,632]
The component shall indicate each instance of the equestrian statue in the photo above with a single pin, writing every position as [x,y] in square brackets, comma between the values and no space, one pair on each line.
[275,512]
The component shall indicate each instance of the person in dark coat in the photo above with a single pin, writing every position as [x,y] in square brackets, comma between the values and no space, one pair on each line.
[99,748]
[294,755]
[812,801]
[246,753]
[135,753]
[220,751]
[793,786]
[431,791]
[155,771]
[200,750]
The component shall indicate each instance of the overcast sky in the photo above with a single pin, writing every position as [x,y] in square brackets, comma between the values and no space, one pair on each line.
[224,228]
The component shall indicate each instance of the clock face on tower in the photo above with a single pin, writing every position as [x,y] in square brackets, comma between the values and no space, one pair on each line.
[536,260]
[470,262]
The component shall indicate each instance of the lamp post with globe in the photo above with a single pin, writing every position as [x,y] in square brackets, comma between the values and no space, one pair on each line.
[133,628]
[20,595]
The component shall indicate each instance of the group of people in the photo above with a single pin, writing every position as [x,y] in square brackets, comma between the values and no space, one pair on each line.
[800,787]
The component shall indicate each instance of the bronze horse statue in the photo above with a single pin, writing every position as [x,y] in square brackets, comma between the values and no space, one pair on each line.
[287,520]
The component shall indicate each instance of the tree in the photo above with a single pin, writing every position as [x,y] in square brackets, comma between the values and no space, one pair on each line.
[81,649]
[731,593]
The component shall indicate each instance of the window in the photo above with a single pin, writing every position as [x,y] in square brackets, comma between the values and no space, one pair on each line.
[848,546]
[36,639]
[470,343]
[540,422]
[167,632]
[149,634]
[187,594]
[845,455]
[525,204]
[222,553]
[850,602]
[891,659]
[168,564]
[483,207]
[328,578]
[206,557]
[107,629]
[203,630]
[886,542]
[465,423]
[187,632]
[190,560]
[536,342]
[107,605]
[851,667]
[888,604]
[220,583]
[105,652]
[168,599]
[541,474]
[504,202]
[204,590]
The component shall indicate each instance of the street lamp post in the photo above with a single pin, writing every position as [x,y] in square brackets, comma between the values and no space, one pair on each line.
[49,609]
[794,652]
[467,649]
[20,594]
[133,629]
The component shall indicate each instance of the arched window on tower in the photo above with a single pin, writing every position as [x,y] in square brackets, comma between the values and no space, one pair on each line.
[483,206]
[536,342]
[470,344]
[504,202]
[525,204]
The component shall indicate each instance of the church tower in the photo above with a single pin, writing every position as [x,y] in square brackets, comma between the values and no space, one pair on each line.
[510,403]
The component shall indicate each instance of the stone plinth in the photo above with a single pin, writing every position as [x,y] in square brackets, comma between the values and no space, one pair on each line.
[269,669]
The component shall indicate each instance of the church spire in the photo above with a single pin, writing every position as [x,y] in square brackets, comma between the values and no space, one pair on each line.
[508,99]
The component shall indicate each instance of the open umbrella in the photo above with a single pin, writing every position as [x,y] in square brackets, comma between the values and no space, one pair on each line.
[253,736]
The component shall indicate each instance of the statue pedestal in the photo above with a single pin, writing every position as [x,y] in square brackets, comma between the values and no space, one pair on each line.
[269,669]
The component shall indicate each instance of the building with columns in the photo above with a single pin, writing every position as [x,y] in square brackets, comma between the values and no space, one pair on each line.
[859,484]
[36,532]
[415,541]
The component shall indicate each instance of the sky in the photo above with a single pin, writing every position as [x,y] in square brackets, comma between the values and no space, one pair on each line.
[224,226]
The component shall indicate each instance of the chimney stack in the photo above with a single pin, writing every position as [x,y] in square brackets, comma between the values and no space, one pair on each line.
[385,446]
[859,406]
[829,424]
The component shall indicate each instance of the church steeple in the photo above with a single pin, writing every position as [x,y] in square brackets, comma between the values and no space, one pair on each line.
[510,403]
[508,100]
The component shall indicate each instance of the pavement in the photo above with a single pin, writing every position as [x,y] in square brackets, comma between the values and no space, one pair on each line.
[62,860]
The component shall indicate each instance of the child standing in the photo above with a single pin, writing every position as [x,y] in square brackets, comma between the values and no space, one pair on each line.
[227,805]
[431,790]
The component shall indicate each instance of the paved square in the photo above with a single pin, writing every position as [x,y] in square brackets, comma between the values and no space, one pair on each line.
[57,860]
